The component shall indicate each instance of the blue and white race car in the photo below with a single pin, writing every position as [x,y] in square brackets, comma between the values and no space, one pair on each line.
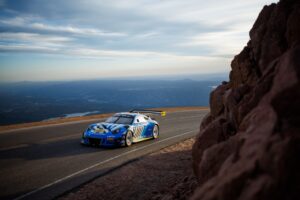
[123,129]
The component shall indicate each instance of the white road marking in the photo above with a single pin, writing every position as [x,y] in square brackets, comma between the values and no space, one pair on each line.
[98,164]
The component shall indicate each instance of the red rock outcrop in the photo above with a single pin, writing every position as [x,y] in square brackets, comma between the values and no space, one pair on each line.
[249,145]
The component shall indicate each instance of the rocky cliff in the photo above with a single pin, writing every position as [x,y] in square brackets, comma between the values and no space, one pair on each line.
[249,145]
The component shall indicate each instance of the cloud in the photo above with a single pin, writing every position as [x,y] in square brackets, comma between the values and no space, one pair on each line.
[73,30]
[32,43]
[25,48]
[2,3]
[134,25]
[171,34]
[27,23]
[147,35]
[220,43]
[101,53]
[32,37]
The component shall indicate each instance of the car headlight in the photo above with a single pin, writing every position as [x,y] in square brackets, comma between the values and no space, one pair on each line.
[118,130]
[84,134]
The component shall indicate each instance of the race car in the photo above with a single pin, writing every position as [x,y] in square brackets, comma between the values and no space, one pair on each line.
[123,129]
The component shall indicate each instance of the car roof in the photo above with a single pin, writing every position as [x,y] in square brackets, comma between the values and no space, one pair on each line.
[129,113]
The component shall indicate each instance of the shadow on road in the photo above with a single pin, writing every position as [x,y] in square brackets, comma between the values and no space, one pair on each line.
[60,148]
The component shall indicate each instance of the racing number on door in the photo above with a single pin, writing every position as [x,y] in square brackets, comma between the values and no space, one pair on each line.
[141,124]
[137,131]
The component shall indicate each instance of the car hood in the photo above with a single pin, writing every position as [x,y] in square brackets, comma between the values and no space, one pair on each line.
[105,127]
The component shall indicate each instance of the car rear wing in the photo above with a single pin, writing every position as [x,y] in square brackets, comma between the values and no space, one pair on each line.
[158,112]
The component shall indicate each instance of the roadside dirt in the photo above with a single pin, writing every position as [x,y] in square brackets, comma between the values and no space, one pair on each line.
[91,117]
[166,174]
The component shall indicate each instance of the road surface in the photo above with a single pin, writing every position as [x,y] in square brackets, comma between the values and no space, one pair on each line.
[45,162]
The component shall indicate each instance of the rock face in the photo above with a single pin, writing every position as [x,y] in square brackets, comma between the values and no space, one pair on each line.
[249,145]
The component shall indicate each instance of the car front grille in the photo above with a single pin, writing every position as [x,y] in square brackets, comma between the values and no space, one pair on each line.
[94,141]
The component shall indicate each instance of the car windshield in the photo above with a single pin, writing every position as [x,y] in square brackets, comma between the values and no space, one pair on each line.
[120,119]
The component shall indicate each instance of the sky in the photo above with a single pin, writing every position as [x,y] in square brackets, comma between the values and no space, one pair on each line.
[42,40]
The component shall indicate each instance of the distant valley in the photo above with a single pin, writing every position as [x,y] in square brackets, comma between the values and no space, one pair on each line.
[36,101]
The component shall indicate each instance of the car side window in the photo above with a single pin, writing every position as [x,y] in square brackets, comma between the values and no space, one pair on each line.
[140,119]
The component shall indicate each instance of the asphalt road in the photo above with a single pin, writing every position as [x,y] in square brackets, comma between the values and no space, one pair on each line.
[45,162]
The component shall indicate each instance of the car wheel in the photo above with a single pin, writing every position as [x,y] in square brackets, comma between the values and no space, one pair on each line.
[155,132]
[128,138]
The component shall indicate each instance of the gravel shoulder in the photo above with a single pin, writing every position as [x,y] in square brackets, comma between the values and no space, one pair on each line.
[165,174]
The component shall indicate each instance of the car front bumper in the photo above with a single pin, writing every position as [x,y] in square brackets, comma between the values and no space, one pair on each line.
[103,141]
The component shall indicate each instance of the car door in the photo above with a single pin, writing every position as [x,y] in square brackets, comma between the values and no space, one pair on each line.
[149,127]
[140,126]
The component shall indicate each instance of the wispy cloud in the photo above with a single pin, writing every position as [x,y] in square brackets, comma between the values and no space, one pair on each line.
[51,47]
[219,43]
[171,35]
[32,37]
[74,30]
[25,48]
[33,43]
[29,24]
[101,53]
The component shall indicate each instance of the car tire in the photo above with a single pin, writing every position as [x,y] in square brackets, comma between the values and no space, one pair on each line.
[128,138]
[155,133]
